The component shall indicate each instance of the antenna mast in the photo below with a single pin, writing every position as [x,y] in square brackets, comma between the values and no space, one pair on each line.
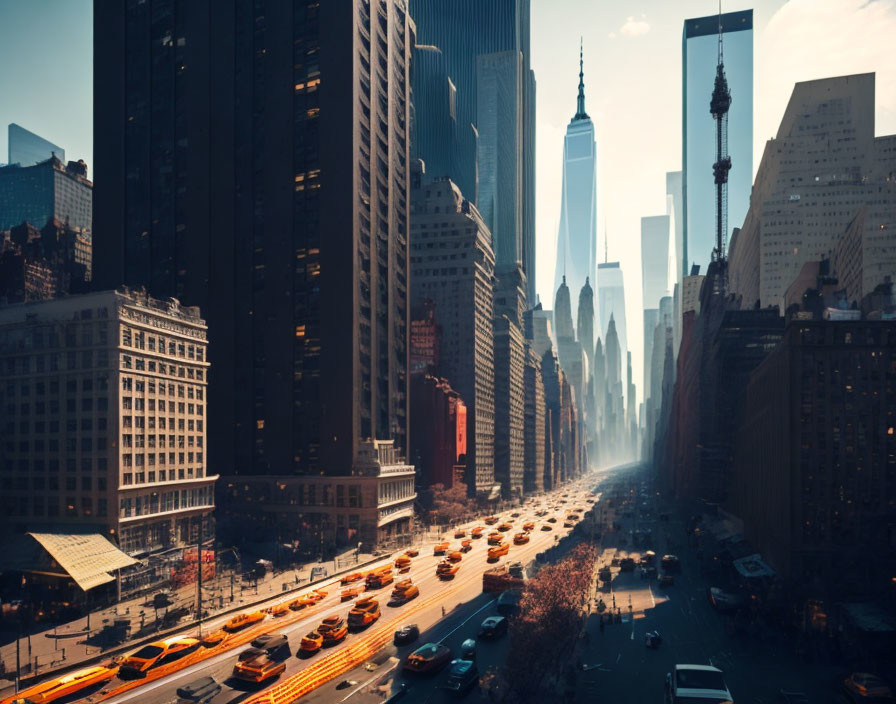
[718,107]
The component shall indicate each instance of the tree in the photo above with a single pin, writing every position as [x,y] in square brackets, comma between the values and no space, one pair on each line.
[550,620]
[450,505]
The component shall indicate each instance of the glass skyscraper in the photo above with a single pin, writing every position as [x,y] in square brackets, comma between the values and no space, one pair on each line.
[700,44]
[577,237]
[26,148]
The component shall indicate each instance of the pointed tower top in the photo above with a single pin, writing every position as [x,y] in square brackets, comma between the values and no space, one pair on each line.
[580,103]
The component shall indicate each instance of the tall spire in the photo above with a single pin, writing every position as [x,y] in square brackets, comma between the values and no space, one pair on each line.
[580,104]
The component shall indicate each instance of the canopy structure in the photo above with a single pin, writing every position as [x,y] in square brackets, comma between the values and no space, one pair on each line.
[89,559]
[753,566]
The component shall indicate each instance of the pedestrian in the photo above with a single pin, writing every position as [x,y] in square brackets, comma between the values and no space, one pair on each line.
[443,612]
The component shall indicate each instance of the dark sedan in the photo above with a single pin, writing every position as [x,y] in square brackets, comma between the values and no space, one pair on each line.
[406,634]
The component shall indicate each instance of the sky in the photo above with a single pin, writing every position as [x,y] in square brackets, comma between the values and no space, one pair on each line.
[632,85]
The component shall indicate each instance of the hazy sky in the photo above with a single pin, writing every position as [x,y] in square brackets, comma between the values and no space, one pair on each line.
[633,93]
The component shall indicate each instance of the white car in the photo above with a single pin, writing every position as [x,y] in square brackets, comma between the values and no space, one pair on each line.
[697,684]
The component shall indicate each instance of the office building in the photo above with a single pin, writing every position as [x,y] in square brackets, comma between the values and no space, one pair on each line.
[453,265]
[27,149]
[656,247]
[439,440]
[700,49]
[611,302]
[821,512]
[50,189]
[42,264]
[534,423]
[499,158]
[538,327]
[212,193]
[675,211]
[425,339]
[510,352]
[577,236]
[434,127]
[463,30]
[585,327]
[105,410]
[824,178]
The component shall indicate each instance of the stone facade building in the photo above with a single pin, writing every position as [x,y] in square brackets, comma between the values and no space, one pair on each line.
[104,400]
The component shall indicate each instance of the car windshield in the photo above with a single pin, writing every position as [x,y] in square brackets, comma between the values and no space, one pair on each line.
[460,667]
[312,636]
[427,651]
[700,679]
[147,652]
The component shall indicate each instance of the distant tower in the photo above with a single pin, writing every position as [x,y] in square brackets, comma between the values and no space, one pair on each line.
[577,233]
[718,107]
[563,314]
[585,327]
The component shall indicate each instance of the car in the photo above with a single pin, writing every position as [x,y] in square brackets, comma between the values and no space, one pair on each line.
[404,591]
[270,642]
[198,691]
[278,610]
[493,627]
[64,687]
[460,533]
[541,513]
[466,545]
[552,519]
[477,532]
[261,668]
[521,538]
[427,659]
[696,683]
[529,526]
[441,548]
[495,538]
[627,564]
[402,562]
[241,621]
[463,675]
[214,638]
[572,517]
[865,687]
[350,578]
[497,551]
[334,629]
[406,634]
[412,552]
[364,612]
[302,602]
[724,602]
[490,520]
[447,569]
[605,574]
[161,652]
[250,653]
[515,514]
[508,603]
[504,527]
[671,563]
[350,593]
[311,642]
[380,577]
[567,524]
[455,556]
[468,649]
[546,527]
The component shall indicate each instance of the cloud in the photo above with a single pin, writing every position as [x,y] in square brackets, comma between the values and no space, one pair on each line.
[612,35]
[811,39]
[634,28]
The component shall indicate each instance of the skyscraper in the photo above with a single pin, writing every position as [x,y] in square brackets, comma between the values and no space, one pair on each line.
[463,294]
[585,327]
[563,313]
[27,149]
[211,132]
[499,119]
[611,302]
[434,128]
[44,191]
[700,47]
[462,30]
[675,211]
[655,245]
[577,237]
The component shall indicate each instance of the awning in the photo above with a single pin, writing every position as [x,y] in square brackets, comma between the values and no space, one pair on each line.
[88,559]
[753,566]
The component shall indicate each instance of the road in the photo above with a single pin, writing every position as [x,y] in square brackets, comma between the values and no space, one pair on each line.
[463,589]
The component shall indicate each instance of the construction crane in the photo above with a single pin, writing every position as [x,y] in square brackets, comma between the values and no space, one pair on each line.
[718,107]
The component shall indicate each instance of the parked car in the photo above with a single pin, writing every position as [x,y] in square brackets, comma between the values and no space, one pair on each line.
[463,675]
[493,627]
[428,659]
[406,634]
[864,687]
[508,603]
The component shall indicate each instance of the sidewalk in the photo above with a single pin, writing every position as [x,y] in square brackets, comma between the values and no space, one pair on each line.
[85,638]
